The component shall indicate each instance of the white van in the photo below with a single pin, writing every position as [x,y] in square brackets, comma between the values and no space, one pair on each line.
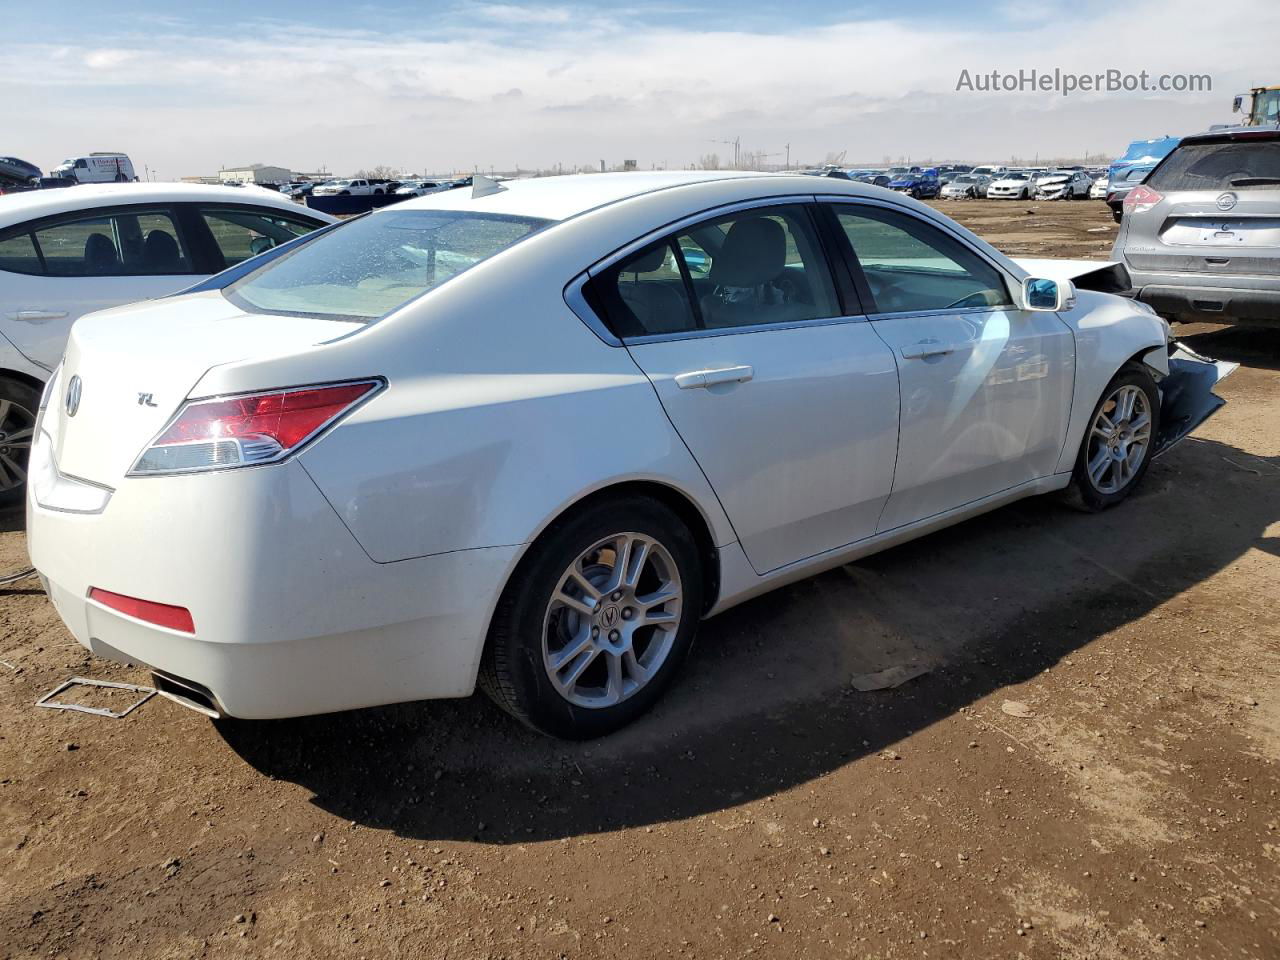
[97,168]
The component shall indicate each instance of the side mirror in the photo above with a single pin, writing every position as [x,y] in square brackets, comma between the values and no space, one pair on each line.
[1040,294]
[1237,103]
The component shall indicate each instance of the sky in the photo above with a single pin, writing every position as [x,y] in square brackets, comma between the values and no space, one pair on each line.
[189,88]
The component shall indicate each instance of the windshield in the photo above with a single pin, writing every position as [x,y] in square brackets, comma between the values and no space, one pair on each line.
[370,266]
[1266,107]
[1238,165]
[966,179]
[1016,176]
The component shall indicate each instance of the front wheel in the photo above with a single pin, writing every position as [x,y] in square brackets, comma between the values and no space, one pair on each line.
[596,620]
[1118,444]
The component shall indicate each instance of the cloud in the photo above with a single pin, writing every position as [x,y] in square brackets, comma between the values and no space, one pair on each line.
[511,13]
[612,82]
[108,59]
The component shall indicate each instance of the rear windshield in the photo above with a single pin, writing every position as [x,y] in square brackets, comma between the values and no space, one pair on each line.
[367,268]
[1240,165]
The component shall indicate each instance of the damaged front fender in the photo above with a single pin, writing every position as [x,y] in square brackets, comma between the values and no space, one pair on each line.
[1186,394]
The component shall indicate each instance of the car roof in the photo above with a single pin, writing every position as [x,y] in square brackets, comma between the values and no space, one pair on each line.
[1270,131]
[559,198]
[28,205]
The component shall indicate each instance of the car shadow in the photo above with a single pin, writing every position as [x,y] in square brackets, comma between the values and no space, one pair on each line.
[765,703]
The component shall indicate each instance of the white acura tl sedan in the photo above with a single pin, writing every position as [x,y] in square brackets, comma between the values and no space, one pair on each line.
[533,433]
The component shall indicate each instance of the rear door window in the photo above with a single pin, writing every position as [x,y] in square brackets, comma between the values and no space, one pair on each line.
[752,267]
[1238,165]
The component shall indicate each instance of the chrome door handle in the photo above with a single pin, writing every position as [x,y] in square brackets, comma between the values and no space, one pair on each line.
[37,316]
[710,378]
[927,348]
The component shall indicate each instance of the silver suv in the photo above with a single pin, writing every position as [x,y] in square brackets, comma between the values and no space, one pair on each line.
[1201,238]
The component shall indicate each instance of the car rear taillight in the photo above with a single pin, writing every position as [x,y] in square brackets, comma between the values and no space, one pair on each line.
[1141,199]
[249,429]
[161,614]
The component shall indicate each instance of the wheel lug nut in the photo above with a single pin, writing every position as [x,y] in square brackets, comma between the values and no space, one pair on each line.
[617,596]
[614,635]
[595,632]
[627,613]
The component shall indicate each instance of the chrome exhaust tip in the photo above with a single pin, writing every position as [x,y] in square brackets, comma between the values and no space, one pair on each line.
[188,693]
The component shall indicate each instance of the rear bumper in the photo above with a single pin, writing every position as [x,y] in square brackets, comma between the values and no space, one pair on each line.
[291,616]
[1209,301]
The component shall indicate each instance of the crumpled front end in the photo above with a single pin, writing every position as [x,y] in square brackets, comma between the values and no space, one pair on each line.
[1186,394]
[1051,191]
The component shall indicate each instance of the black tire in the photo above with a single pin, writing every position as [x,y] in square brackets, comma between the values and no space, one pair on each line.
[344,193]
[512,670]
[20,401]
[1117,215]
[1083,493]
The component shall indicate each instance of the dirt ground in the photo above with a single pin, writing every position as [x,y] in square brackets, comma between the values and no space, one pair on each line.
[1125,806]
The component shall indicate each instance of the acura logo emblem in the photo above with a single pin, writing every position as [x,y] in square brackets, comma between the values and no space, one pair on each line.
[1226,201]
[609,616]
[73,396]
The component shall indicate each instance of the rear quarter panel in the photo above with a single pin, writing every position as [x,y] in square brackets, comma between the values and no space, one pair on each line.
[502,409]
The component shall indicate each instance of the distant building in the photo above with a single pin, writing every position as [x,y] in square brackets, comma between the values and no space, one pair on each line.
[255,173]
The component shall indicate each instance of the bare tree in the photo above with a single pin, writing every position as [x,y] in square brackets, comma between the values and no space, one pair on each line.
[709,161]
[381,172]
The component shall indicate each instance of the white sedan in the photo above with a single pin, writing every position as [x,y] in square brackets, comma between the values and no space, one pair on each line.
[68,252]
[534,433]
[1015,185]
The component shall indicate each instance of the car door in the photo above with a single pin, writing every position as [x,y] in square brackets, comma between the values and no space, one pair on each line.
[986,387]
[85,262]
[787,400]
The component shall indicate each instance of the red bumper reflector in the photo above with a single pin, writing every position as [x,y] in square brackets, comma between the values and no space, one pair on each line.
[161,614]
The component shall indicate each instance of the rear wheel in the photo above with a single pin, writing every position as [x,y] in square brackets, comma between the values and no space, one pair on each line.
[1117,447]
[18,404]
[596,620]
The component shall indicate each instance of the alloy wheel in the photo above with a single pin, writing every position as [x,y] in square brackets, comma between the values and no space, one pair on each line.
[17,426]
[1119,438]
[612,620]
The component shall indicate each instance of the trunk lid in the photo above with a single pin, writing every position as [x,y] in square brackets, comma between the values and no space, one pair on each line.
[137,364]
[1242,239]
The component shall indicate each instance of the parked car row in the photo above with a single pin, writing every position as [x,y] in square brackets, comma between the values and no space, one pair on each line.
[963,182]
[356,186]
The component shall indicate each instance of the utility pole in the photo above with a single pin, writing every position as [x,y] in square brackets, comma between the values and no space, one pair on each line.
[736,143]
[788,156]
